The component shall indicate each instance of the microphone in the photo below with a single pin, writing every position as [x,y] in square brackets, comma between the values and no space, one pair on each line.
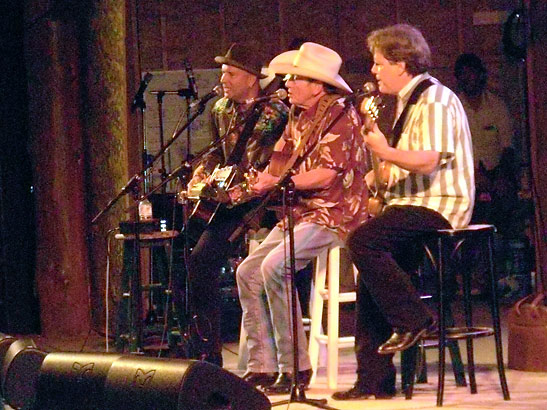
[138,100]
[217,90]
[191,79]
[280,94]
[368,89]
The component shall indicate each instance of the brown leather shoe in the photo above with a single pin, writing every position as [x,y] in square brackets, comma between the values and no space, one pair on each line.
[401,340]
[360,392]
[283,383]
[260,379]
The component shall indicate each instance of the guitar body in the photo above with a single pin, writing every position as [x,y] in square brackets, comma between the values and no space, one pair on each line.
[370,108]
[205,210]
[375,206]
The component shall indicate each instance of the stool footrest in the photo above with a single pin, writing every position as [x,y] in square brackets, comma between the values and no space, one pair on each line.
[342,297]
[346,341]
[457,333]
[152,286]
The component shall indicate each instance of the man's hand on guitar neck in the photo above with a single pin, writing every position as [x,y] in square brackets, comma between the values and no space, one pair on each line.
[376,141]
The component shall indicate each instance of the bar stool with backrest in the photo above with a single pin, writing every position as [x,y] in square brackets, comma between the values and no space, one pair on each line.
[448,243]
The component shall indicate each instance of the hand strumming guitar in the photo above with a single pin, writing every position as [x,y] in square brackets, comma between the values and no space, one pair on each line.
[264,183]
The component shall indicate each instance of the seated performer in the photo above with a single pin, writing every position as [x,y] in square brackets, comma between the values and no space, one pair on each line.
[328,181]
[253,130]
[430,187]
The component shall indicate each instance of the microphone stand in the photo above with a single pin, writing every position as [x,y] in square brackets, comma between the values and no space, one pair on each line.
[133,186]
[140,175]
[183,173]
[297,394]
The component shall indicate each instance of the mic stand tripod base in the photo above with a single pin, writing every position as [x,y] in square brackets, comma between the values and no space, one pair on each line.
[297,394]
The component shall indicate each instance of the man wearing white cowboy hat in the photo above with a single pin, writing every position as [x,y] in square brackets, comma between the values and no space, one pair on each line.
[250,132]
[328,179]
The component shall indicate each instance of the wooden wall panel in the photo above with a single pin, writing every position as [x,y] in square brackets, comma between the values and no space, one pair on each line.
[192,30]
[356,20]
[438,21]
[255,22]
[149,35]
[314,20]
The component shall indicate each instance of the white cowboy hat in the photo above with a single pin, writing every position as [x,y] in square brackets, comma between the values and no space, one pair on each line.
[311,60]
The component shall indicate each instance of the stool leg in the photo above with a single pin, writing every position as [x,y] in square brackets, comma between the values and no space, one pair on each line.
[316,311]
[454,349]
[466,282]
[442,324]
[421,366]
[409,359]
[496,318]
[333,317]
[123,324]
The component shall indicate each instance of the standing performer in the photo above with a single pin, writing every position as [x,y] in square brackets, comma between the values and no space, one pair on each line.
[328,180]
[253,129]
[430,187]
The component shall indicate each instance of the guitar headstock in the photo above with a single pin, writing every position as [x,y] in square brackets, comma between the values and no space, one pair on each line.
[370,110]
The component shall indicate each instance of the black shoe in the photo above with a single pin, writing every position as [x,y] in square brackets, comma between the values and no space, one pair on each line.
[260,379]
[359,391]
[213,358]
[283,383]
[401,340]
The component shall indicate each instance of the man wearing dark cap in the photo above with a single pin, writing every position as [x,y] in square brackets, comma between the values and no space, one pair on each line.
[250,131]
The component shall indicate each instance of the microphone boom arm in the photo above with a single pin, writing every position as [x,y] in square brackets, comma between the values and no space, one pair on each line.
[140,175]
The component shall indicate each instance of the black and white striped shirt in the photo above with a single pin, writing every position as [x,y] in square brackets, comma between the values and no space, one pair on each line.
[436,122]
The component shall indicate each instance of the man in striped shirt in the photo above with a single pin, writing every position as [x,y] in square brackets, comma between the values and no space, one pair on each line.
[430,186]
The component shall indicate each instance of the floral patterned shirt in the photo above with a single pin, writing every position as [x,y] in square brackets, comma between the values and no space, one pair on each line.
[260,145]
[341,206]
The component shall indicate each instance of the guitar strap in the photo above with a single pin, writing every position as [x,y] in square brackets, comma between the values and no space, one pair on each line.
[237,153]
[416,93]
[324,104]
[376,203]
[296,159]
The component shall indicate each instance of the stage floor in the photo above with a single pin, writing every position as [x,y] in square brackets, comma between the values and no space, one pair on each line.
[528,389]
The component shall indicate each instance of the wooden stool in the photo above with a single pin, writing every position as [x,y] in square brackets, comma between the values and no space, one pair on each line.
[452,240]
[328,264]
[130,313]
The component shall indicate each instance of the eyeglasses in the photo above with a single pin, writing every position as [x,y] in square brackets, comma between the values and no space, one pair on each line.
[295,77]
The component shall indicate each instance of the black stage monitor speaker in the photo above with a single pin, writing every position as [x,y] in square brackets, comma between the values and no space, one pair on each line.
[5,343]
[73,381]
[171,384]
[20,372]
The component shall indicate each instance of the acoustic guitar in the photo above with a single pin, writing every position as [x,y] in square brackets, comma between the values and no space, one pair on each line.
[227,186]
[370,110]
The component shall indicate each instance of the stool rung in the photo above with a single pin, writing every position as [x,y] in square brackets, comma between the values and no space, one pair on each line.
[346,341]
[152,286]
[342,297]
[458,333]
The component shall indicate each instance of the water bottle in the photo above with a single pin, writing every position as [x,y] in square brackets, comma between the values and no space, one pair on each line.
[145,210]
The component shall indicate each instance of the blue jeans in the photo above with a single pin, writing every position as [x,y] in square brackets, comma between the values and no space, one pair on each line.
[262,280]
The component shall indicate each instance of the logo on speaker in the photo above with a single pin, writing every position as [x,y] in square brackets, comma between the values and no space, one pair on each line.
[142,378]
[82,369]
